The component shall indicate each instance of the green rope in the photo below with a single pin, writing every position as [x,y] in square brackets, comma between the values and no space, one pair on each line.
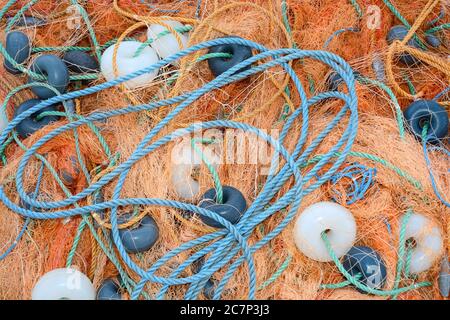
[357,8]
[438,28]
[80,229]
[78,48]
[3,148]
[401,253]
[286,107]
[91,31]
[212,170]
[311,84]
[425,130]
[6,7]
[284,13]
[61,49]
[398,109]
[339,285]
[277,273]
[411,88]
[76,240]
[77,142]
[19,14]
[215,55]
[408,260]
[403,20]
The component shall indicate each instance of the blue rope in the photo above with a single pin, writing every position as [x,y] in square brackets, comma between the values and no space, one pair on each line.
[362,179]
[228,246]
[441,94]
[338,32]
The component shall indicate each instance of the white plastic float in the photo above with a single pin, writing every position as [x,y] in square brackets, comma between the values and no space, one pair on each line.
[428,242]
[127,63]
[331,217]
[184,160]
[63,284]
[3,121]
[166,45]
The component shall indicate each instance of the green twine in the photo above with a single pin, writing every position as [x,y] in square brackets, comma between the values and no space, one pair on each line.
[438,28]
[357,8]
[277,273]
[63,49]
[78,48]
[339,285]
[95,130]
[109,43]
[311,84]
[91,31]
[411,88]
[76,240]
[6,7]
[286,21]
[398,109]
[408,259]
[425,130]
[19,14]
[3,148]
[212,170]
[215,55]
[286,107]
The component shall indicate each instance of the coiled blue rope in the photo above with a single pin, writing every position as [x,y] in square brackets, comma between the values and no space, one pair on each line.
[362,178]
[337,33]
[228,247]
